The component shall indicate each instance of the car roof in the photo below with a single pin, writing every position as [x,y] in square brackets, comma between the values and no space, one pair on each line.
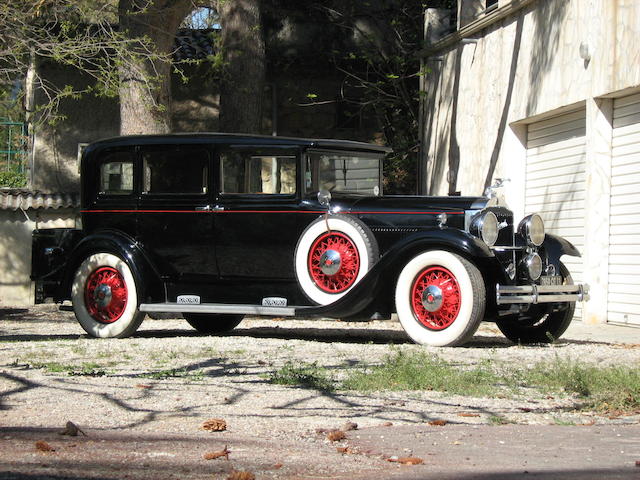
[239,140]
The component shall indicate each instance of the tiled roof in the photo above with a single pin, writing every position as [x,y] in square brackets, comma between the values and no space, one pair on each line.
[12,199]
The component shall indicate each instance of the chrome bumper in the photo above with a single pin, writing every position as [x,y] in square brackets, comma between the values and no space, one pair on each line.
[510,294]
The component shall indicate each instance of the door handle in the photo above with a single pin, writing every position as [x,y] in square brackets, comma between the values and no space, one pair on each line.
[209,208]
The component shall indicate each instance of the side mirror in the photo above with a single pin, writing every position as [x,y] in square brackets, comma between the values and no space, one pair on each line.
[324,198]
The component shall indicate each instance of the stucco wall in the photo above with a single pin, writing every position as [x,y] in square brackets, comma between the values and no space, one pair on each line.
[16,288]
[523,66]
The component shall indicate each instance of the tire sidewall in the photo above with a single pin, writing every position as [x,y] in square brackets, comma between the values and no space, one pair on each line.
[130,318]
[308,238]
[464,321]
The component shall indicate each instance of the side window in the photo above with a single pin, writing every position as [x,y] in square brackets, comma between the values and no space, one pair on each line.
[116,174]
[175,171]
[258,174]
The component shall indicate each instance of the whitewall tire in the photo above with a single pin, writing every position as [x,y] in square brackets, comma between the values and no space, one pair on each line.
[440,298]
[105,297]
[329,263]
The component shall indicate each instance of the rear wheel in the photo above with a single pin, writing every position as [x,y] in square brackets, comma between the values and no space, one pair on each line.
[541,323]
[211,323]
[105,297]
[440,299]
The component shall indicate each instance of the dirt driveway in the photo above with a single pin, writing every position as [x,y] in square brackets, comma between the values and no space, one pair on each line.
[142,403]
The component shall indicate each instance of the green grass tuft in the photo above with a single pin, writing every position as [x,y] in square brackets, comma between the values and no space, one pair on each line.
[308,375]
[420,371]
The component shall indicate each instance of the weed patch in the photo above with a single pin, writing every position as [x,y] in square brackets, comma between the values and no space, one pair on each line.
[420,371]
[195,375]
[89,369]
[308,375]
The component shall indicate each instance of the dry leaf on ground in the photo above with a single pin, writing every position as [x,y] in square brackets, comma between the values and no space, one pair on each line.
[347,450]
[277,466]
[72,430]
[438,423]
[43,446]
[220,453]
[387,424]
[349,426]
[241,475]
[142,385]
[406,460]
[466,414]
[214,425]
[336,435]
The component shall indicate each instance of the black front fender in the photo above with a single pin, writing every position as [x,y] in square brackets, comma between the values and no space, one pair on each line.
[556,247]
[148,280]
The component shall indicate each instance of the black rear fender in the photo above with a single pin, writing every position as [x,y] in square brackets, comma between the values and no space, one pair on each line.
[149,283]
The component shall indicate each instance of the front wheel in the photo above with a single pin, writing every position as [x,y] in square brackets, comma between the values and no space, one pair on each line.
[212,323]
[105,297]
[541,323]
[440,299]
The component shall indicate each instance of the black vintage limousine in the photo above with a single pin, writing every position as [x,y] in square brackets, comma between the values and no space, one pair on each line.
[218,226]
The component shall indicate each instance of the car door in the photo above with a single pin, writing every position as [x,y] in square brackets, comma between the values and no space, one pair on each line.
[259,214]
[175,224]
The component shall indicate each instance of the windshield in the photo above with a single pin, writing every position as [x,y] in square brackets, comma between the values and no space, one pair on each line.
[343,172]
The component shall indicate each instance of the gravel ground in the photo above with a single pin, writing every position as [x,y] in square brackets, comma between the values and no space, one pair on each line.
[145,398]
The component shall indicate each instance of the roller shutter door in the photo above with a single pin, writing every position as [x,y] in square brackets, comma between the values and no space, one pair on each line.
[624,230]
[555,180]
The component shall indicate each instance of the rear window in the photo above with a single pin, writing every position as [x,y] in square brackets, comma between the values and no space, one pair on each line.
[116,174]
[242,172]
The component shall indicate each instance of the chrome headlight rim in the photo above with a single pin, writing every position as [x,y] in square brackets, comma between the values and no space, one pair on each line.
[485,227]
[533,262]
[532,230]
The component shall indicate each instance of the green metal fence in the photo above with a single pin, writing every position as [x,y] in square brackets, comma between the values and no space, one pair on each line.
[13,144]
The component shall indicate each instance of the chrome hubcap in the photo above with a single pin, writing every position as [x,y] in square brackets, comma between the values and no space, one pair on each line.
[330,262]
[102,295]
[432,298]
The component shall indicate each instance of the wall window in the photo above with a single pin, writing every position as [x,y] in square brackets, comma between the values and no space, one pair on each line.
[116,174]
[175,171]
[258,174]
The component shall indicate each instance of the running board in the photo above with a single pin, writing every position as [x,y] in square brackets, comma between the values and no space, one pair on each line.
[218,308]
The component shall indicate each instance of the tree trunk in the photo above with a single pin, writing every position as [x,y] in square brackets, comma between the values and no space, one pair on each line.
[145,74]
[242,86]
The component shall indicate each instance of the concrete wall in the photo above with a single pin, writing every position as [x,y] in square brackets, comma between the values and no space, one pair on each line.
[16,288]
[491,78]
[521,67]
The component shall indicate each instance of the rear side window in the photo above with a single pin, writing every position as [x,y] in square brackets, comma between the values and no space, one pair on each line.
[116,174]
[175,171]
[258,174]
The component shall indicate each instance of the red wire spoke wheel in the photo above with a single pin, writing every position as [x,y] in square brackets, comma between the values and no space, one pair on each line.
[440,298]
[334,262]
[332,255]
[106,295]
[435,297]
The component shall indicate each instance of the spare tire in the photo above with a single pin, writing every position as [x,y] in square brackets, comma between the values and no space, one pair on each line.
[329,262]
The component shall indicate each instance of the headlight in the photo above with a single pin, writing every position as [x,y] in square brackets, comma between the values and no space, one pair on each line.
[532,229]
[534,265]
[485,226]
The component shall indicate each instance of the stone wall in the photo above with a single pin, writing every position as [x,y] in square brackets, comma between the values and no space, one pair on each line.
[16,288]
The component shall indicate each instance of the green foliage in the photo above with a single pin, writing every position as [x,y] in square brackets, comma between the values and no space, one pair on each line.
[308,375]
[13,178]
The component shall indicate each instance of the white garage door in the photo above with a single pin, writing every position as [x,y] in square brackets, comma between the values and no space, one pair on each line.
[555,180]
[624,233]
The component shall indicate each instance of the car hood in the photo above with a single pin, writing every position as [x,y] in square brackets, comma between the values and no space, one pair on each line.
[414,203]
